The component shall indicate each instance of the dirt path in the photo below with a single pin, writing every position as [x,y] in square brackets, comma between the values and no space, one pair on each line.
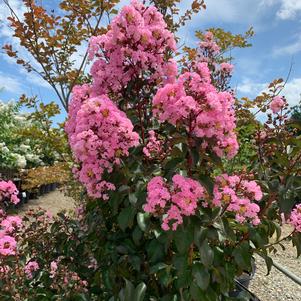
[54,202]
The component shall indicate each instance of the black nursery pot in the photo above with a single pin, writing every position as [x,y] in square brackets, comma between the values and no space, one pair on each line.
[242,284]
[53,186]
[42,190]
[32,195]
[47,188]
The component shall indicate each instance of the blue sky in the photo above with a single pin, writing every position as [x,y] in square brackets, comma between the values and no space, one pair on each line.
[276,45]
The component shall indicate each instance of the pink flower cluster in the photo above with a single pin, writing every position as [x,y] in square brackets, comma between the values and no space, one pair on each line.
[194,102]
[80,94]
[53,268]
[175,201]
[208,46]
[30,268]
[226,67]
[136,44]
[277,104]
[154,146]
[295,218]
[99,136]
[9,192]
[237,195]
[9,225]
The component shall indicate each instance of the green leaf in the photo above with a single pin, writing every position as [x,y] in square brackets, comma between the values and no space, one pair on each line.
[129,291]
[125,218]
[200,235]
[136,235]
[297,242]
[155,251]
[132,198]
[195,291]
[201,276]
[142,219]
[139,292]
[157,267]
[207,254]
[242,256]
[183,240]
[184,279]
[208,183]
[171,165]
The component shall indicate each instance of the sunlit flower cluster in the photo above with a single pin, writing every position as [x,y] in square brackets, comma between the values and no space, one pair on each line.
[277,104]
[136,44]
[237,195]
[9,225]
[100,135]
[9,192]
[192,101]
[295,218]
[154,147]
[173,201]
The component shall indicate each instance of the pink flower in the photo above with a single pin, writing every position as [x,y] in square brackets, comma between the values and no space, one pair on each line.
[30,268]
[226,67]
[173,202]
[295,218]
[100,135]
[9,191]
[154,147]
[157,195]
[7,245]
[173,218]
[208,45]
[194,103]
[135,45]
[53,268]
[277,104]
[237,195]
[11,224]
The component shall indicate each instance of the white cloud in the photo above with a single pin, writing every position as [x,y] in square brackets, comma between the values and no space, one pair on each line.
[286,9]
[289,49]
[289,9]
[247,12]
[292,90]
[250,88]
[10,83]
[33,79]
[18,7]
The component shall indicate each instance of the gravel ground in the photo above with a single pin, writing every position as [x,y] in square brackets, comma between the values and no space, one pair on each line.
[54,202]
[276,286]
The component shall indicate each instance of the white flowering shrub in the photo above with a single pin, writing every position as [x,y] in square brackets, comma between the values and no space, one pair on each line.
[17,151]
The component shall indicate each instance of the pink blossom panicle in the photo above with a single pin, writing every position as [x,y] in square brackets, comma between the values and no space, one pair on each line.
[30,268]
[9,191]
[173,202]
[135,44]
[295,218]
[277,104]
[238,195]
[193,102]
[99,137]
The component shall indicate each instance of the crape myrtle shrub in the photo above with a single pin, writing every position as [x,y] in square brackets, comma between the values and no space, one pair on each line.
[166,215]
[149,137]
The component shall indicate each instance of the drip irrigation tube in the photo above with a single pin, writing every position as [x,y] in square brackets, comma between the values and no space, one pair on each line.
[287,273]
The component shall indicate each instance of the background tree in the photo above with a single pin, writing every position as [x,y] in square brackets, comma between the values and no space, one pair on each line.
[53,38]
